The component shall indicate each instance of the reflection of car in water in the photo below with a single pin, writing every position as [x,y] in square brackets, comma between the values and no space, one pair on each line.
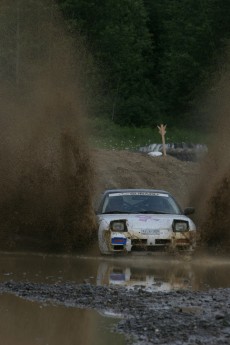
[131,276]
[119,276]
[143,219]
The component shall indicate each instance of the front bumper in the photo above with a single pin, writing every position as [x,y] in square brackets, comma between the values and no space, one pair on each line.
[118,242]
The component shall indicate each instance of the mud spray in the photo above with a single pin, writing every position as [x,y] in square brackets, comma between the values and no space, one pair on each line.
[212,196]
[46,177]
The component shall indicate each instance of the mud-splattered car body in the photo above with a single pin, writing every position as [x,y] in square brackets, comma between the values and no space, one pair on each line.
[143,219]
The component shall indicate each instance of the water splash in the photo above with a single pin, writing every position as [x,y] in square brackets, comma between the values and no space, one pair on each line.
[46,176]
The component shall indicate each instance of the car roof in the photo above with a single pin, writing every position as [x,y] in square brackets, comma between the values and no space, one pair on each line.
[109,191]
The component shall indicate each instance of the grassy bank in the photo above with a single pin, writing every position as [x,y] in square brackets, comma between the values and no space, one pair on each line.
[105,134]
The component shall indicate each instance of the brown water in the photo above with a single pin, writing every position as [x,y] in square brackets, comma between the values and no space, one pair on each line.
[46,175]
[211,195]
[24,322]
[156,273]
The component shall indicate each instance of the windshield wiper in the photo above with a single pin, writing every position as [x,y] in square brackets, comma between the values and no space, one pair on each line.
[116,212]
[153,212]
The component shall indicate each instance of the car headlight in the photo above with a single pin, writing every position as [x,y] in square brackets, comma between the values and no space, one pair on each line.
[118,225]
[180,225]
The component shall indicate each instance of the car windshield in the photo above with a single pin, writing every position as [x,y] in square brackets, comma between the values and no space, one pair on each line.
[140,202]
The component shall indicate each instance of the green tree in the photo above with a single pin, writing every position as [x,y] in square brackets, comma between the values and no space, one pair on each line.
[188,38]
[118,37]
[156,58]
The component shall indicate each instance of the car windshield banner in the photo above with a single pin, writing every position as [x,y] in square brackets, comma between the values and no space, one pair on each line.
[139,193]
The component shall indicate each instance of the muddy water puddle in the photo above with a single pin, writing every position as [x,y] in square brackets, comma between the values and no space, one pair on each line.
[25,322]
[153,273]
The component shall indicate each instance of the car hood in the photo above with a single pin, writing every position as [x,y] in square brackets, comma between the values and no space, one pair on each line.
[146,221]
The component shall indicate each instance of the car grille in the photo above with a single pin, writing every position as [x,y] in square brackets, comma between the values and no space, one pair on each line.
[138,242]
[164,241]
[118,247]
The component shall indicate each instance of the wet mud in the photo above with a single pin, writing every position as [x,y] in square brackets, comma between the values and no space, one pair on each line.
[177,317]
[46,177]
[211,193]
[216,229]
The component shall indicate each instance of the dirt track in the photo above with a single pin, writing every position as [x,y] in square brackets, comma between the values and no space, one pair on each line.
[125,169]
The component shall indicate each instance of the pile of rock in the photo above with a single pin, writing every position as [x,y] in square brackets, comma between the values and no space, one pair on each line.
[182,151]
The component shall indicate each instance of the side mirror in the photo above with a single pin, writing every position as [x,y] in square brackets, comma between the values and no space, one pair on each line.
[189,210]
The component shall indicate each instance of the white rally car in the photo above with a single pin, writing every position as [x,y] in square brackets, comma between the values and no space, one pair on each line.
[143,219]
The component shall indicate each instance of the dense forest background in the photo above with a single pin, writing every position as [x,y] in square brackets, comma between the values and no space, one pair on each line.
[156,58]
[143,61]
